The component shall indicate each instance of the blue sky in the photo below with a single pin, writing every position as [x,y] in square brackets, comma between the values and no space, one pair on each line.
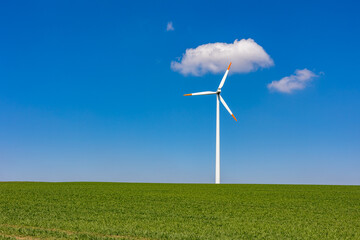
[87,92]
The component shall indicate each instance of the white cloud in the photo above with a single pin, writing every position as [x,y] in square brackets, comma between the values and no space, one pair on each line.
[170,27]
[246,56]
[297,81]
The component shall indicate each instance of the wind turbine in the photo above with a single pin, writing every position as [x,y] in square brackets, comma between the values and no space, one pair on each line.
[218,98]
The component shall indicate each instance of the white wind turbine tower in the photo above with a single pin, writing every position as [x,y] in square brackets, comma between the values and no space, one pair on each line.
[218,98]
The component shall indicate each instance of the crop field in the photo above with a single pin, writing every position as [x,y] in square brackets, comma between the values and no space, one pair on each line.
[177,211]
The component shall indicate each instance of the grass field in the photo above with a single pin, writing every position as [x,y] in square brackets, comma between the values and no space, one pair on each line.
[177,211]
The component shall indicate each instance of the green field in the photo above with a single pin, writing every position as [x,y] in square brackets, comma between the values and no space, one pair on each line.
[177,211]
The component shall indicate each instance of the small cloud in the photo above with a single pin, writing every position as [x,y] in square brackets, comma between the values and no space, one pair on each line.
[170,27]
[297,81]
[246,56]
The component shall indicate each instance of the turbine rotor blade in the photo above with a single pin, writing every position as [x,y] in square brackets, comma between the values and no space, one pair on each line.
[224,78]
[227,107]
[200,93]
